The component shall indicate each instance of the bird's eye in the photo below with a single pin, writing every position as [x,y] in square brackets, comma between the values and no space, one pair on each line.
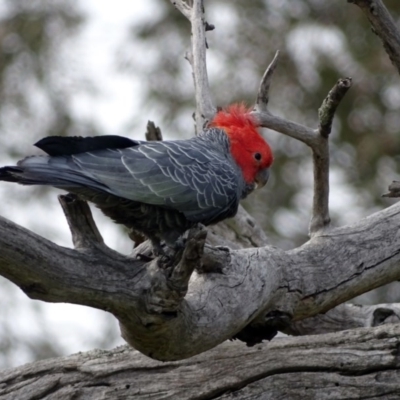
[257,156]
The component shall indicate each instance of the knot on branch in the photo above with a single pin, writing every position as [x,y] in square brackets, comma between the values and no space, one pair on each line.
[208,27]
[383,315]
[394,190]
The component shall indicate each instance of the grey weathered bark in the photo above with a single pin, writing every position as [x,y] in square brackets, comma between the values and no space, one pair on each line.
[357,364]
[243,285]
[382,25]
[210,294]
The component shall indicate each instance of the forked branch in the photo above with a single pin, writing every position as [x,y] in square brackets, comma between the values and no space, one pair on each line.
[320,219]
[317,139]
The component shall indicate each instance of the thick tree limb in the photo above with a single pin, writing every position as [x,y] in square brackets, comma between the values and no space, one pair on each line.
[356,364]
[301,283]
[384,26]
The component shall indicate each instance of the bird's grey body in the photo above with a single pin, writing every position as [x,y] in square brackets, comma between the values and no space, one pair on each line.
[160,189]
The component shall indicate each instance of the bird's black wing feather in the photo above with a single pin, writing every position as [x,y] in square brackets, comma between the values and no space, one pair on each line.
[65,146]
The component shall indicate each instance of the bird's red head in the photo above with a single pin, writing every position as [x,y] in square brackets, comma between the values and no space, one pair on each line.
[250,151]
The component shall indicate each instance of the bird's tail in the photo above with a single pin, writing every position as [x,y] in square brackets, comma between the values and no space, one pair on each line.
[59,172]
[10,174]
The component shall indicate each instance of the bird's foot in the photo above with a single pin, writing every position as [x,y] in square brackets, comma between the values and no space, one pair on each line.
[160,252]
[179,244]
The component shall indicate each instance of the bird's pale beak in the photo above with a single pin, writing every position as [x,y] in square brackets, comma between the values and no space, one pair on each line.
[262,178]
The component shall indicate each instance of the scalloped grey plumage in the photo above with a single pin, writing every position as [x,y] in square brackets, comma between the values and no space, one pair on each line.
[160,189]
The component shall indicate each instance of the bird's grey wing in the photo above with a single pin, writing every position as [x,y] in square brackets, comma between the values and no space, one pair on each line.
[183,175]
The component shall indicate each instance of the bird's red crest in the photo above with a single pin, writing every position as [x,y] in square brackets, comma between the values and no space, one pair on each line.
[235,115]
[250,151]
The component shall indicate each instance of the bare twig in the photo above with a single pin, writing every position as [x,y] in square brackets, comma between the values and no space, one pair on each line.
[183,7]
[263,92]
[316,139]
[288,128]
[281,125]
[328,108]
[384,26]
[80,220]
[205,109]
[320,218]
[153,132]
[196,56]
[320,215]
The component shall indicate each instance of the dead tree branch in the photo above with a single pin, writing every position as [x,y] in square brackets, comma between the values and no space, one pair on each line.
[301,283]
[287,368]
[330,104]
[383,25]
[198,59]
[316,139]
[208,295]
[205,109]
[320,219]
[263,93]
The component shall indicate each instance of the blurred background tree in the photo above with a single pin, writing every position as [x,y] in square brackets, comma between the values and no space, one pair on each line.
[83,68]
